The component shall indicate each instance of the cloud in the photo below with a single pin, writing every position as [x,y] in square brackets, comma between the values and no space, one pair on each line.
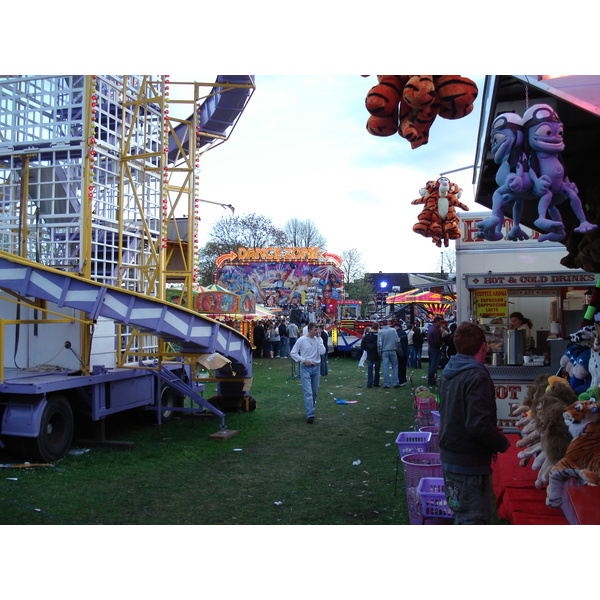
[301,150]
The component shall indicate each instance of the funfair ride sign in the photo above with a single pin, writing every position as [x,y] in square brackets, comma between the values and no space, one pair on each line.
[275,253]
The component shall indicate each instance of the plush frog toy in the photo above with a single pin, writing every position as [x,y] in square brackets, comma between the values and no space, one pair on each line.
[544,144]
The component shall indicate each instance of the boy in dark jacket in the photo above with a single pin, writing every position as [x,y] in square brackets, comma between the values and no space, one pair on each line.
[469,435]
[369,345]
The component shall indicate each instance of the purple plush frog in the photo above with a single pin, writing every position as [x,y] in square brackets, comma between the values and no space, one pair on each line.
[512,177]
[544,144]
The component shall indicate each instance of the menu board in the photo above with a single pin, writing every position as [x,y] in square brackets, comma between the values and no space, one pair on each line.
[491,303]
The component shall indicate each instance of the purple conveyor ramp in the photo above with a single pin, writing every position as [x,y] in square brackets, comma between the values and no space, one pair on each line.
[192,332]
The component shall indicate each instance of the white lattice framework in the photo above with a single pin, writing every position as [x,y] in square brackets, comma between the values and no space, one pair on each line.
[82,162]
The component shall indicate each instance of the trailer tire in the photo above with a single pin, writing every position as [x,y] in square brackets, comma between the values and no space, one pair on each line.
[56,431]
[169,399]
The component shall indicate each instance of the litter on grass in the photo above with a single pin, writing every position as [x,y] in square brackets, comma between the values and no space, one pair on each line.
[25,465]
[78,451]
[356,462]
[340,401]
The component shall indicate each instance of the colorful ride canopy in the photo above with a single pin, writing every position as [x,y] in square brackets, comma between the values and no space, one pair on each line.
[419,296]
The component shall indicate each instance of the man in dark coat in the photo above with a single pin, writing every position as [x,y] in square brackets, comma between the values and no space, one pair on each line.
[469,435]
[285,340]
[259,340]
[369,345]
[434,350]
[402,353]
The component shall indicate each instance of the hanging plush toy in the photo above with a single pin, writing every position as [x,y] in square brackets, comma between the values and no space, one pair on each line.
[382,102]
[418,110]
[409,104]
[438,220]
[528,151]
[587,327]
[544,144]
[512,177]
[589,332]
[575,361]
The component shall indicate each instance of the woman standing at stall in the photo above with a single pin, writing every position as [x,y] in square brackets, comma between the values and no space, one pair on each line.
[518,321]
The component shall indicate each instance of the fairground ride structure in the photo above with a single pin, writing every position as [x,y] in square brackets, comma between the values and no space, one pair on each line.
[94,170]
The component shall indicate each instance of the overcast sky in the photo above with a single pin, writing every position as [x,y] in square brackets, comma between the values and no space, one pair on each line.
[301,149]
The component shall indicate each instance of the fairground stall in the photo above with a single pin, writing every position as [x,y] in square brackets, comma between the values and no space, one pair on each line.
[527,277]
[421,306]
[537,253]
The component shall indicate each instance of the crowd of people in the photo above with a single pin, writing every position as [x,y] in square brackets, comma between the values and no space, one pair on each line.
[275,338]
[394,345]
[302,340]
[389,347]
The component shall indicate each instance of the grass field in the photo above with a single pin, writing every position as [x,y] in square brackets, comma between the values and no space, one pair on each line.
[276,470]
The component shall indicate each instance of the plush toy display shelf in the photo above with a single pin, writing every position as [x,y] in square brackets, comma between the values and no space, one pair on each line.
[519,502]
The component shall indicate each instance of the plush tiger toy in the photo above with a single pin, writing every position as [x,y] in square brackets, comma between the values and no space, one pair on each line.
[382,99]
[409,104]
[438,220]
[582,459]
[456,95]
[414,125]
[382,102]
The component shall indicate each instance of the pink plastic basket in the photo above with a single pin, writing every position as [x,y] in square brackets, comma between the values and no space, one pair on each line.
[413,442]
[417,466]
[433,444]
[424,408]
[433,499]
[425,405]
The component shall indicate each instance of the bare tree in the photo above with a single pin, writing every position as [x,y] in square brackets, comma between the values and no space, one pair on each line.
[232,232]
[447,262]
[247,231]
[304,234]
[352,265]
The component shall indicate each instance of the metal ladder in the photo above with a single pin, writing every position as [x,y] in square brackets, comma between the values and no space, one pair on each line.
[169,378]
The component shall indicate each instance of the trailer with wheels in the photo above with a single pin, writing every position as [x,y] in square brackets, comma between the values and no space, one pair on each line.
[95,173]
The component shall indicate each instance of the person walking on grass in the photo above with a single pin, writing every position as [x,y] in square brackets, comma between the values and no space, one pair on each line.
[417,344]
[363,358]
[369,347]
[284,340]
[274,340]
[402,352]
[469,435]
[324,362]
[434,349]
[307,351]
[387,346]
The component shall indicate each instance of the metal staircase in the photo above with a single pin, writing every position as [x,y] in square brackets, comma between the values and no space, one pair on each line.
[170,379]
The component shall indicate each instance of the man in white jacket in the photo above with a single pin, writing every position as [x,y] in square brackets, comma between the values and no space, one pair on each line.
[307,351]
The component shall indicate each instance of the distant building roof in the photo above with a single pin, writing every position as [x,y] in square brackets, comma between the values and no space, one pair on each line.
[403,282]
[385,282]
